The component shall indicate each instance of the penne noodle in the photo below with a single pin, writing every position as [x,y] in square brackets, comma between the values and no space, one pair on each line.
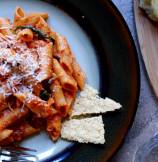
[43,26]
[45,62]
[66,81]
[19,133]
[5,134]
[5,26]
[19,13]
[78,74]
[21,19]
[66,63]
[70,98]
[35,104]
[28,130]
[54,127]
[44,15]
[62,45]
[8,117]
[64,53]
[60,102]
[26,21]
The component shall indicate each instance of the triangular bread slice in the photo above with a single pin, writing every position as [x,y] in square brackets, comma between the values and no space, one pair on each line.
[89,102]
[87,130]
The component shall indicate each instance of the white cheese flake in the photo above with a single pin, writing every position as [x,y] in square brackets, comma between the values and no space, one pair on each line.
[18,64]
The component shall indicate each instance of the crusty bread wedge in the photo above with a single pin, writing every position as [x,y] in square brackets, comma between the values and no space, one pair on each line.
[88,102]
[87,130]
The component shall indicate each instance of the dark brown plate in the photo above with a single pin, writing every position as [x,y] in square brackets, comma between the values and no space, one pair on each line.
[119,71]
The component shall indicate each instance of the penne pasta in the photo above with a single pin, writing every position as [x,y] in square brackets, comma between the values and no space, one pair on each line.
[54,127]
[45,62]
[19,13]
[5,26]
[66,62]
[27,130]
[66,81]
[19,133]
[64,53]
[5,134]
[70,98]
[60,102]
[62,45]
[78,74]
[8,117]
[44,15]
[26,21]
[35,104]
[21,19]
[43,26]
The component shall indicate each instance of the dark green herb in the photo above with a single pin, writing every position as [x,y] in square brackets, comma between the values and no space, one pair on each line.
[38,32]
[44,95]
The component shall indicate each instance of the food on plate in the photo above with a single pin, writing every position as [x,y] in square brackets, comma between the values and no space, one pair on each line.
[81,126]
[151,8]
[89,102]
[39,82]
[87,130]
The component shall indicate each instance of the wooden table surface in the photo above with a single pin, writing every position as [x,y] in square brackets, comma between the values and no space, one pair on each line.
[146,120]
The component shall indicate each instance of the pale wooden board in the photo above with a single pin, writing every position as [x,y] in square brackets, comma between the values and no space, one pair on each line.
[148,39]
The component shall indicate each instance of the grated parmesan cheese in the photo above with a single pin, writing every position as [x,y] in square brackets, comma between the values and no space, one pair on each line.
[19,65]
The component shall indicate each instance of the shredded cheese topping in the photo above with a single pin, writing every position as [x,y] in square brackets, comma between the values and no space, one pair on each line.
[19,65]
